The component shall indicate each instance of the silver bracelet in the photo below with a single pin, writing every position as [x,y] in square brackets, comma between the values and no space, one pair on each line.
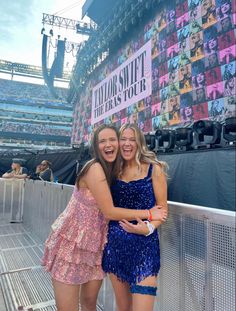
[150,226]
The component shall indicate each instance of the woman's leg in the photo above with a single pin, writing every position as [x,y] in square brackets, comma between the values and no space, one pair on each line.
[89,294]
[122,294]
[143,295]
[66,296]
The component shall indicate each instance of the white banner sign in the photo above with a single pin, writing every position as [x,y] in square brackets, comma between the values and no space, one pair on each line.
[129,83]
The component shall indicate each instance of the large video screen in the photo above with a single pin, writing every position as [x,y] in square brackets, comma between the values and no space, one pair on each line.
[179,69]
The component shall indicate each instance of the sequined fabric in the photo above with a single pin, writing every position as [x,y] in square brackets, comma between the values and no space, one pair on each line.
[73,250]
[129,256]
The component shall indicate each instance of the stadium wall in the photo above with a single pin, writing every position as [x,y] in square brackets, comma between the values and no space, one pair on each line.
[184,60]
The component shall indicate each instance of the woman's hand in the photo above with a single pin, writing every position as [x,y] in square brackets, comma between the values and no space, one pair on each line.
[140,228]
[159,213]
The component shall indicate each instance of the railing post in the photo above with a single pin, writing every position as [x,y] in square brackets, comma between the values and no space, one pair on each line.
[208,292]
[4,199]
[182,265]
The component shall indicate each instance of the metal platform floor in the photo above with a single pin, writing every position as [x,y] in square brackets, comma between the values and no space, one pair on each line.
[23,281]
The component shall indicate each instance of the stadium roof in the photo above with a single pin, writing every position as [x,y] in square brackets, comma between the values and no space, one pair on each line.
[97,9]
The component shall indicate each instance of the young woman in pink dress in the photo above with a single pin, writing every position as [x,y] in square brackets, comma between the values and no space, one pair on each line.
[73,250]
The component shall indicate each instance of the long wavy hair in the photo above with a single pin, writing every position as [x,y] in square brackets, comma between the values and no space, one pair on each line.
[111,170]
[143,155]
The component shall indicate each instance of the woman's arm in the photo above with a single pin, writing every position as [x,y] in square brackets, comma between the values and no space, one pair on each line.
[160,190]
[96,182]
[22,176]
[7,175]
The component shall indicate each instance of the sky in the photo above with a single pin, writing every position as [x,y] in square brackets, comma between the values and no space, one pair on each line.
[21,24]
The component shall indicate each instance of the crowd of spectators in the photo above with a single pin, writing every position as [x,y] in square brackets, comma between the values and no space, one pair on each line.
[20,127]
[30,93]
[35,116]
[28,108]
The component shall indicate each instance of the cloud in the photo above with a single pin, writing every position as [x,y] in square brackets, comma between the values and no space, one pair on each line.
[21,24]
[15,14]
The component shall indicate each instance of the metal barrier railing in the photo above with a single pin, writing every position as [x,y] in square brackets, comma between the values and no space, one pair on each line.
[43,202]
[11,199]
[197,250]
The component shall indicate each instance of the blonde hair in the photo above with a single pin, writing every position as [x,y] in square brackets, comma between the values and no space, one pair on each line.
[143,154]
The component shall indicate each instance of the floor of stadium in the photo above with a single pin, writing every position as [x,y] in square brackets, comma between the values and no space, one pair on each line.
[24,283]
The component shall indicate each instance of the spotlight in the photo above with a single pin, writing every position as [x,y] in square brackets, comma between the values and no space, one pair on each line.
[184,138]
[51,32]
[150,141]
[165,140]
[208,128]
[42,30]
[229,130]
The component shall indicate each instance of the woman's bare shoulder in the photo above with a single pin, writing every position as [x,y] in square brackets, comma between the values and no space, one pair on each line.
[157,170]
[95,171]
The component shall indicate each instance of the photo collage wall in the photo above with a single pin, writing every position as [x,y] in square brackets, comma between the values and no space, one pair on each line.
[193,70]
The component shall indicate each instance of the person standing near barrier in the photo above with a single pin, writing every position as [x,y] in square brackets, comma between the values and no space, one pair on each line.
[132,255]
[17,170]
[44,172]
[73,251]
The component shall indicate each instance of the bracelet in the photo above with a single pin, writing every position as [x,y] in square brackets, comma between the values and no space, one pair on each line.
[150,226]
[150,215]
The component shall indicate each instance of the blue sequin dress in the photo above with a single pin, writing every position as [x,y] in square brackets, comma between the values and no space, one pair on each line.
[132,257]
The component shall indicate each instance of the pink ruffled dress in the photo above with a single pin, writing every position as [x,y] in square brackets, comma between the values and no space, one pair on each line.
[73,250]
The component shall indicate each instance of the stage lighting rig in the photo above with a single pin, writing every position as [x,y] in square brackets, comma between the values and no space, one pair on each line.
[184,138]
[165,140]
[67,23]
[207,134]
[229,130]
[150,141]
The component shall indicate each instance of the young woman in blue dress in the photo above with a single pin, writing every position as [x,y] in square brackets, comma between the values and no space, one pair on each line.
[131,255]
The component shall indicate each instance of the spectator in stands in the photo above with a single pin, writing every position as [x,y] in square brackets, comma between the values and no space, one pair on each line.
[44,172]
[17,170]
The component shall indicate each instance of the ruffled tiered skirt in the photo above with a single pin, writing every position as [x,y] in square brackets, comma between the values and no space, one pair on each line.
[73,250]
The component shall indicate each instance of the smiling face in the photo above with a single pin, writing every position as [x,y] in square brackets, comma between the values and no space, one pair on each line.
[212,43]
[225,8]
[108,144]
[200,78]
[128,144]
[188,111]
